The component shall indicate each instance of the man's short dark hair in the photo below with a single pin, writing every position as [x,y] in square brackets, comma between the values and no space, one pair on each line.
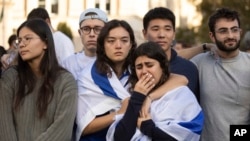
[158,13]
[11,39]
[38,13]
[222,13]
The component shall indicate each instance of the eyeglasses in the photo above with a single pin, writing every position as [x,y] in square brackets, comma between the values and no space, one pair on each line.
[225,31]
[25,40]
[86,29]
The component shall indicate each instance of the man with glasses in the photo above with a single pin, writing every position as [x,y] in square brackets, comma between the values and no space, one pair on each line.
[90,24]
[225,79]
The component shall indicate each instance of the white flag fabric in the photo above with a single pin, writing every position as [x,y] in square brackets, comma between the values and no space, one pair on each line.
[177,113]
[98,94]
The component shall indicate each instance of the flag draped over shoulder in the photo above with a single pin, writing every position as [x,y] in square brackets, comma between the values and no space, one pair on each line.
[98,94]
[177,113]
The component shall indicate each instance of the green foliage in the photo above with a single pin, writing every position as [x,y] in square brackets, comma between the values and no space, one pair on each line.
[207,7]
[187,35]
[63,27]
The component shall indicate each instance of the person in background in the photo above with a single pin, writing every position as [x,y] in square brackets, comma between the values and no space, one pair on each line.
[12,51]
[10,58]
[38,98]
[63,44]
[224,80]
[2,52]
[12,42]
[103,83]
[91,22]
[159,27]
[167,119]
[246,42]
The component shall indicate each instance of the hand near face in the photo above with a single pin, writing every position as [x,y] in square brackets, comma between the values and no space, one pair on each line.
[145,84]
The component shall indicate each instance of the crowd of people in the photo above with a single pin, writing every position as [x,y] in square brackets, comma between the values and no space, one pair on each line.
[116,90]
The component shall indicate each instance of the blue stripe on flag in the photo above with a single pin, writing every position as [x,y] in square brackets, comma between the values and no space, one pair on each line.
[103,82]
[192,125]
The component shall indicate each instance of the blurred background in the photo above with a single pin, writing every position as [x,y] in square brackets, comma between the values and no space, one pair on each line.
[191,15]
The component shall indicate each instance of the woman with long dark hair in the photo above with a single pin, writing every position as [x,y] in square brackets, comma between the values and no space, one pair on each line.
[38,98]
